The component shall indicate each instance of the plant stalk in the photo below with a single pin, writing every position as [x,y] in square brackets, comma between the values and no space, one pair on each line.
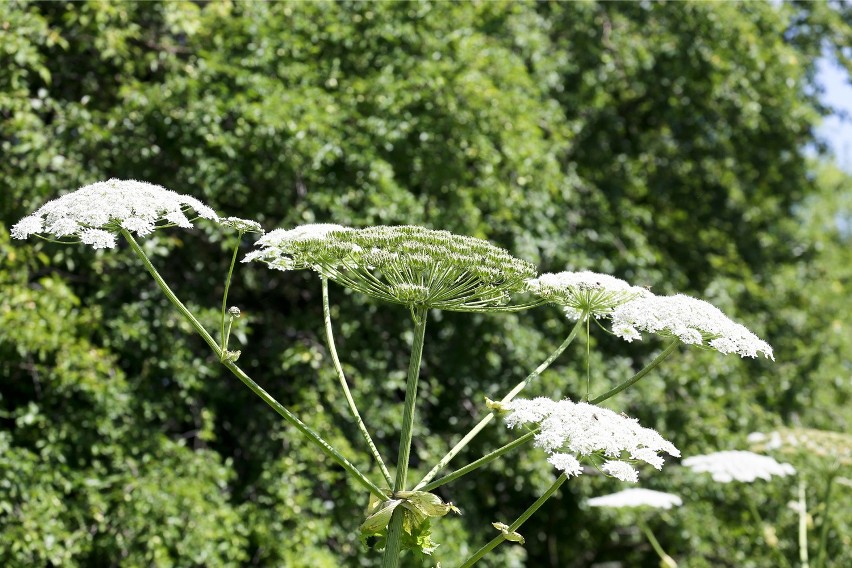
[803,525]
[329,337]
[495,542]
[650,366]
[390,559]
[665,559]
[505,400]
[824,524]
[486,459]
[306,431]
[227,333]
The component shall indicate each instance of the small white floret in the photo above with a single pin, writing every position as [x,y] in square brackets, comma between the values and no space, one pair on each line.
[621,470]
[97,238]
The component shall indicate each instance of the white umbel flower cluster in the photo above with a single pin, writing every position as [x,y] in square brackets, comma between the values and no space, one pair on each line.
[408,265]
[295,249]
[95,213]
[690,320]
[742,466]
[637,498]
[569,431]
[241,225]
[832,447]
[584,292]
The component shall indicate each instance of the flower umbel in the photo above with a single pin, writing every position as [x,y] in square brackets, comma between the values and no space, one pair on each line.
[406,265]
[584,292]
[241,225]
[637,497]
[742,466]
[570,430]
[832,447]
[690,320]
[95,213]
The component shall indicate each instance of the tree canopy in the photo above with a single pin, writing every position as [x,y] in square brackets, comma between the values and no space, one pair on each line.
[664,143]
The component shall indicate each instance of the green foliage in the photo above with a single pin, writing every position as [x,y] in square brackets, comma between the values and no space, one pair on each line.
[660,142]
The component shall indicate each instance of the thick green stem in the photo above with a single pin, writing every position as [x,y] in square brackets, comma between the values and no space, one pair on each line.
[310,434]
[486,459]
[803,525]
[665,559]
[515,525]
[394,538]
[226,333]
[824,524]
[657,360]
[329,337]
[506,399]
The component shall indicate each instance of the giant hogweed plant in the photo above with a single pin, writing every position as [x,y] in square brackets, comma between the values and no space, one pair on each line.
[422,270]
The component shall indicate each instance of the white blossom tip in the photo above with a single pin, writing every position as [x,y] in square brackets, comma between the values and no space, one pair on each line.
[689,320]
[96,213]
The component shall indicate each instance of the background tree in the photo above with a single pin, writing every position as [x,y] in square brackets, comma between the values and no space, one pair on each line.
[662,143]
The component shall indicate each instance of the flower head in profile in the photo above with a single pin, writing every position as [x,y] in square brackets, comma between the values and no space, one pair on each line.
[825,445]
[742,466]
[241,225]
[95,213]
[408,265]
[637,497]
[690,320]
[584,292]
[570,431]
[305,247]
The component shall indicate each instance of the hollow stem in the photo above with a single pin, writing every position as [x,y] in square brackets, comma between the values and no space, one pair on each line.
[306,431]
[506,399]
[390,559]
[648,368]
[495,542]
[329,337]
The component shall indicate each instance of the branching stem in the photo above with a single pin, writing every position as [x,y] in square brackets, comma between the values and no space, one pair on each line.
[506,399]
[329,337]
[306,431]
[495,542]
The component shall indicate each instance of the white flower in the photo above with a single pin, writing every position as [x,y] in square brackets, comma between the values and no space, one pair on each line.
[98,238]
[743,466]
[27,226]
[568,429]
[96,213]
[690,320]
[566,463]
[620,470]
[241,225]
[637,498]
[584,292]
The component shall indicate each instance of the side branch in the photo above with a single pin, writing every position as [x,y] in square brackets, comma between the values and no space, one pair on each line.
[309,433]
